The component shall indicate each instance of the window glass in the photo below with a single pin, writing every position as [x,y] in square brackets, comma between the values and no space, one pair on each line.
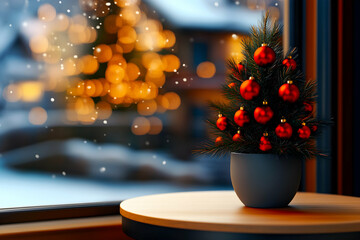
[103,100]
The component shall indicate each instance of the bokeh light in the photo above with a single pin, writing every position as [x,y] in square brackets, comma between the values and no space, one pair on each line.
[38,116]
[206,70]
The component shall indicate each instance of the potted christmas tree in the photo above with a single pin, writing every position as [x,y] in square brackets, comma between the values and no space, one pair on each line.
[267,122]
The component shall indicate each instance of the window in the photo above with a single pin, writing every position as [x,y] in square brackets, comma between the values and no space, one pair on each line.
[105,100]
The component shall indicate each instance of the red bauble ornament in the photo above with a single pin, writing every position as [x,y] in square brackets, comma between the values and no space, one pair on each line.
[308,107]
[264,55]
[314,128]
[289,92]
[289,63]
[249,89]
[222,122]
[241,67]
[304,132]
[284,130]
[265,144]
[237,137]
[241,117]
[263,114]
[219,141]
[231,85]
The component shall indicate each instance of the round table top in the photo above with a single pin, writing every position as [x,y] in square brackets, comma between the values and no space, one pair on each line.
[223,211]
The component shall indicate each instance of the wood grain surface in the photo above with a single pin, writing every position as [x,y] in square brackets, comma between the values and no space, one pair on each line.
[222,211]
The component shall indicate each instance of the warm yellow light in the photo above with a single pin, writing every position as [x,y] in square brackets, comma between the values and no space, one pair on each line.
[174,100]
[156,126]
[31,91]
[103,110]
[147,107]
[162,103]
[84,105]
[46,13]
[118,90]
[127,35]
[114,74]
[150,58]
[132,71]
[39,44]
[76,34]
[103,53]
[140,126]
[12,93]
[168,38]
[206,70]
[98,88]
[61,23]
[90,64]
[156,77]
[126,48]
[105,85]
[90,88]
[131,15]
[119,60]
[171,63]
[37,116]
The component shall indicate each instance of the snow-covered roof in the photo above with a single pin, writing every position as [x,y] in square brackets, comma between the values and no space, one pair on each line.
[206,14]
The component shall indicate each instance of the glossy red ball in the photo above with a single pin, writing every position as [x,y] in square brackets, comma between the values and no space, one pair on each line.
[265,144]
[289,92]
[249,89]
[289,63]
[304,132]
[241,117]
[236,137]
[264,56]
[263,114]
[284,130]
[222,123]
[241,67]
[219,141]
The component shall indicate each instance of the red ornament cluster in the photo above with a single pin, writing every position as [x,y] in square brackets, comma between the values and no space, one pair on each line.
[289,63]
[265,144]
[264,56]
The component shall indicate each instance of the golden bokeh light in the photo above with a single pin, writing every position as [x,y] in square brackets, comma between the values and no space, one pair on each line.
[31,91]
[38,116]
[119,60]
[206,70]
[140,126]
[162,103]
[61,23]
[12,93]
[103,110]
[171,63]
[147,107]
[156,125]
[118,90]
[173,99]
[84,105]
[132,71]
[46,13]
[156,77]
[114,74]
[127,35]
[39,44]
[168,38]
[90,64]
[103,53]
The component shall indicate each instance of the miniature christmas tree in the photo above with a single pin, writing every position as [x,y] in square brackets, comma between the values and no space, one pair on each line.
[270,104]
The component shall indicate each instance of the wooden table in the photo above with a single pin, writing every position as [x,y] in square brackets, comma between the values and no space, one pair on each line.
[220,215]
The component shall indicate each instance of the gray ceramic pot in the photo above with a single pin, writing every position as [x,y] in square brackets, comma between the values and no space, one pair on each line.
[265,180]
